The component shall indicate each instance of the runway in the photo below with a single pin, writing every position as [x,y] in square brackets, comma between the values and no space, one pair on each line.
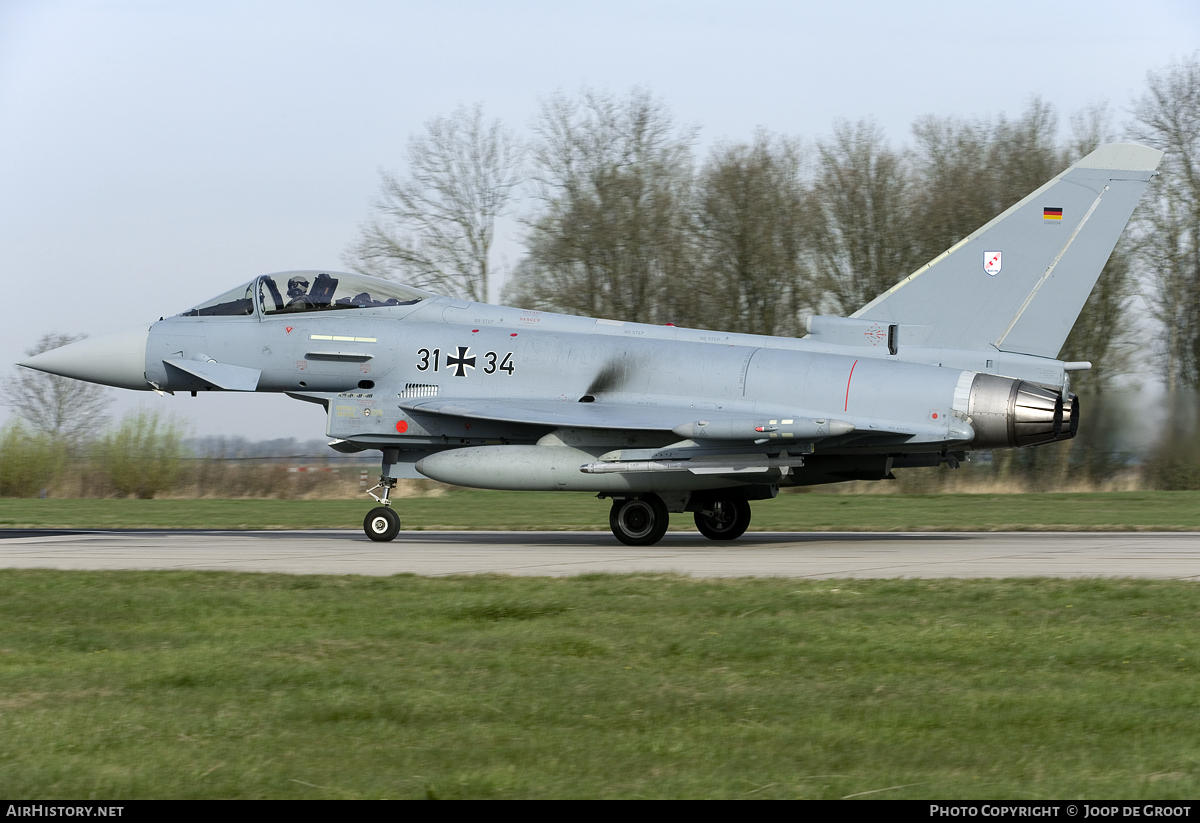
[1166,555]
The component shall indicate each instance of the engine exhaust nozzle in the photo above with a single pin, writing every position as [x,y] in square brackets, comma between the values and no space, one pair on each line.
[1007,413]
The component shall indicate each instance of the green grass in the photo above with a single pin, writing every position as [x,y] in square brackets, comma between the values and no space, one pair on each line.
[469,509]
[190,684]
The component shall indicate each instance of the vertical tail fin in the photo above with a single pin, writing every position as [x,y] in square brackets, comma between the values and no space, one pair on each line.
[1019,283]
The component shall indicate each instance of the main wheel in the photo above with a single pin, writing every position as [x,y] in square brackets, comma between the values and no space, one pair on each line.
[639,521]
[725,519]
[381,524]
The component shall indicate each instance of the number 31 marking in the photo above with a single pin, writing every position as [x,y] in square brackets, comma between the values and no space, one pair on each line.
[425,355]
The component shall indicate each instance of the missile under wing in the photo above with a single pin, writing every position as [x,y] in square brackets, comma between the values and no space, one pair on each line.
[958,356]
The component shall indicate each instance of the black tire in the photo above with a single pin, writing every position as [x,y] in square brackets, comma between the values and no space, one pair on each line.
[381,524]
[724,519]
[640,521]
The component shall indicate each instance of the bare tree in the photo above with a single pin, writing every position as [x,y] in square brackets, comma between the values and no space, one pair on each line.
[435,226]
[1091,127]
[612,238]
[1168,118]
[58,406]
[954,189]
[863,243]
[1025,153]
[967,172]
[1101,332]
[752,215]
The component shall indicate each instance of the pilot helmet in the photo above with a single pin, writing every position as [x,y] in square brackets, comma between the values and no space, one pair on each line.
[297,285]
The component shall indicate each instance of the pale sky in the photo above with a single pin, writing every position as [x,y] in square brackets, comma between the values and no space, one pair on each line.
[155,154]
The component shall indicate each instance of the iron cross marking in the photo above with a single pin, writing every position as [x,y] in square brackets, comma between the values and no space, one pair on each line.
[462,362]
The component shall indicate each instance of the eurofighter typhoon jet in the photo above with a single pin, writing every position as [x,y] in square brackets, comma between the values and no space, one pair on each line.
[960,355]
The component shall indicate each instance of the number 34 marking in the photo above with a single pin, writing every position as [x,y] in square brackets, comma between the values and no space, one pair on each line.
[506,365]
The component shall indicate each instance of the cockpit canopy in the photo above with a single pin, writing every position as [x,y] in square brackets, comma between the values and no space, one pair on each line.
[308,291]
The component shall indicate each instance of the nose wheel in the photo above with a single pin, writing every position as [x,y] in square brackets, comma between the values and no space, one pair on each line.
[381,524]
[640,521]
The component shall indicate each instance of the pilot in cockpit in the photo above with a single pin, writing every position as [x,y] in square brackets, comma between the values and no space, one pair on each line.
[298,292]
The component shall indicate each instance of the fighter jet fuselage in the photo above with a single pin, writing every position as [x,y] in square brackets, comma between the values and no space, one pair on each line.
[959,356]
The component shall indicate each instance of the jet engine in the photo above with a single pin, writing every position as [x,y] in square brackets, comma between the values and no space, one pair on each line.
[1007,412]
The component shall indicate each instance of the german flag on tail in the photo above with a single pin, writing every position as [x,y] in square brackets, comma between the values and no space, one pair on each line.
[1052,214]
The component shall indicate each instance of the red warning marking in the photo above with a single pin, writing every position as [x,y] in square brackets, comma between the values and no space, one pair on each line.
[402,426]
[289,329]
[847,406]
[514,334]
[474,331]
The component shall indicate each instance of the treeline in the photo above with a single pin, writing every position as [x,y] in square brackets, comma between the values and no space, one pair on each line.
[622,220]
[138,457]
[144,455]
[62,442]
[762,234]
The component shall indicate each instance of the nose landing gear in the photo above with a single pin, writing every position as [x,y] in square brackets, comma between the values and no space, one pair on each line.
[381,523]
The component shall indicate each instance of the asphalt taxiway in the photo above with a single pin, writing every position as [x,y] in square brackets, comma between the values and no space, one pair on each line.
[1166,555]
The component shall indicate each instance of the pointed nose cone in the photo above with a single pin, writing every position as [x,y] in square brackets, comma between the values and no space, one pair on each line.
[117,359]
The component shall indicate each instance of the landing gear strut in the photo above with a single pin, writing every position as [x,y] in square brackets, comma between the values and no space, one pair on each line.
[381,523]
[639,521]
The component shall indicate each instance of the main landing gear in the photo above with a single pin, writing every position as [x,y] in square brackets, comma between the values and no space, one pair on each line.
[643,520]
[381,523]
[639,521]
[723,519]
